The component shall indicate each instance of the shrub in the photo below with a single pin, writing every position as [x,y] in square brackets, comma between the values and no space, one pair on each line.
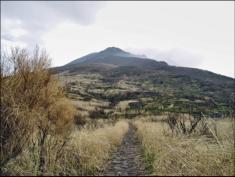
[32,101]
[98,113]
[183,124]
[80,120]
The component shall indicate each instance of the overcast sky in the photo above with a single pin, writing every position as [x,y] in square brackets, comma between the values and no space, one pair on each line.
[192,34]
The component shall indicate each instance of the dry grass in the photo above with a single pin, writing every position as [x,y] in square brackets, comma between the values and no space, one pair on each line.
[122,105]
[169,154]
[85,153]
[90,105]
[93,148]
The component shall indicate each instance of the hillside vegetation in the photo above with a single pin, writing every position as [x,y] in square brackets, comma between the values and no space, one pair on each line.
[114,75]
[83,117]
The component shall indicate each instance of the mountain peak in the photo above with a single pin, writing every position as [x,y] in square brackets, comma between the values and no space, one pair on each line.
[113,50]
[117,57]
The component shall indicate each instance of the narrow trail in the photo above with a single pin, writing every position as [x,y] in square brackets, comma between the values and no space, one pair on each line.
[127,161]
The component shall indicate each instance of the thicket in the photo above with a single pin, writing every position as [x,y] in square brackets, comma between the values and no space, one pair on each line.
[34,109]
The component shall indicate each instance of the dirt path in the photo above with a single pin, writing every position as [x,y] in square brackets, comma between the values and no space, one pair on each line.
[127,161]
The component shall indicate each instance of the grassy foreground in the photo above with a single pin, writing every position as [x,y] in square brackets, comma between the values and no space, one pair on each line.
[84,154]
[175,154]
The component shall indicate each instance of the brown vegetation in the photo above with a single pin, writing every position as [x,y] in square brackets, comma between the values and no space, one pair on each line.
[85,152]
[31,103]
[198,153]
[38,136]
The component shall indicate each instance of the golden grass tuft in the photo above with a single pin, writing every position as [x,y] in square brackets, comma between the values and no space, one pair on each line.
[187,155]
[94,147]
[85,153]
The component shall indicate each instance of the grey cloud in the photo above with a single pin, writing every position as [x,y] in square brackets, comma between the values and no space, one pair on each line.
[37,17]
[176,56]
[7,36]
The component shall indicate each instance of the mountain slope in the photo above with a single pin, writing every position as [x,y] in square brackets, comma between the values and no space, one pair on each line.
[117,57]
[113,57]
[171,88]
[104,56]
